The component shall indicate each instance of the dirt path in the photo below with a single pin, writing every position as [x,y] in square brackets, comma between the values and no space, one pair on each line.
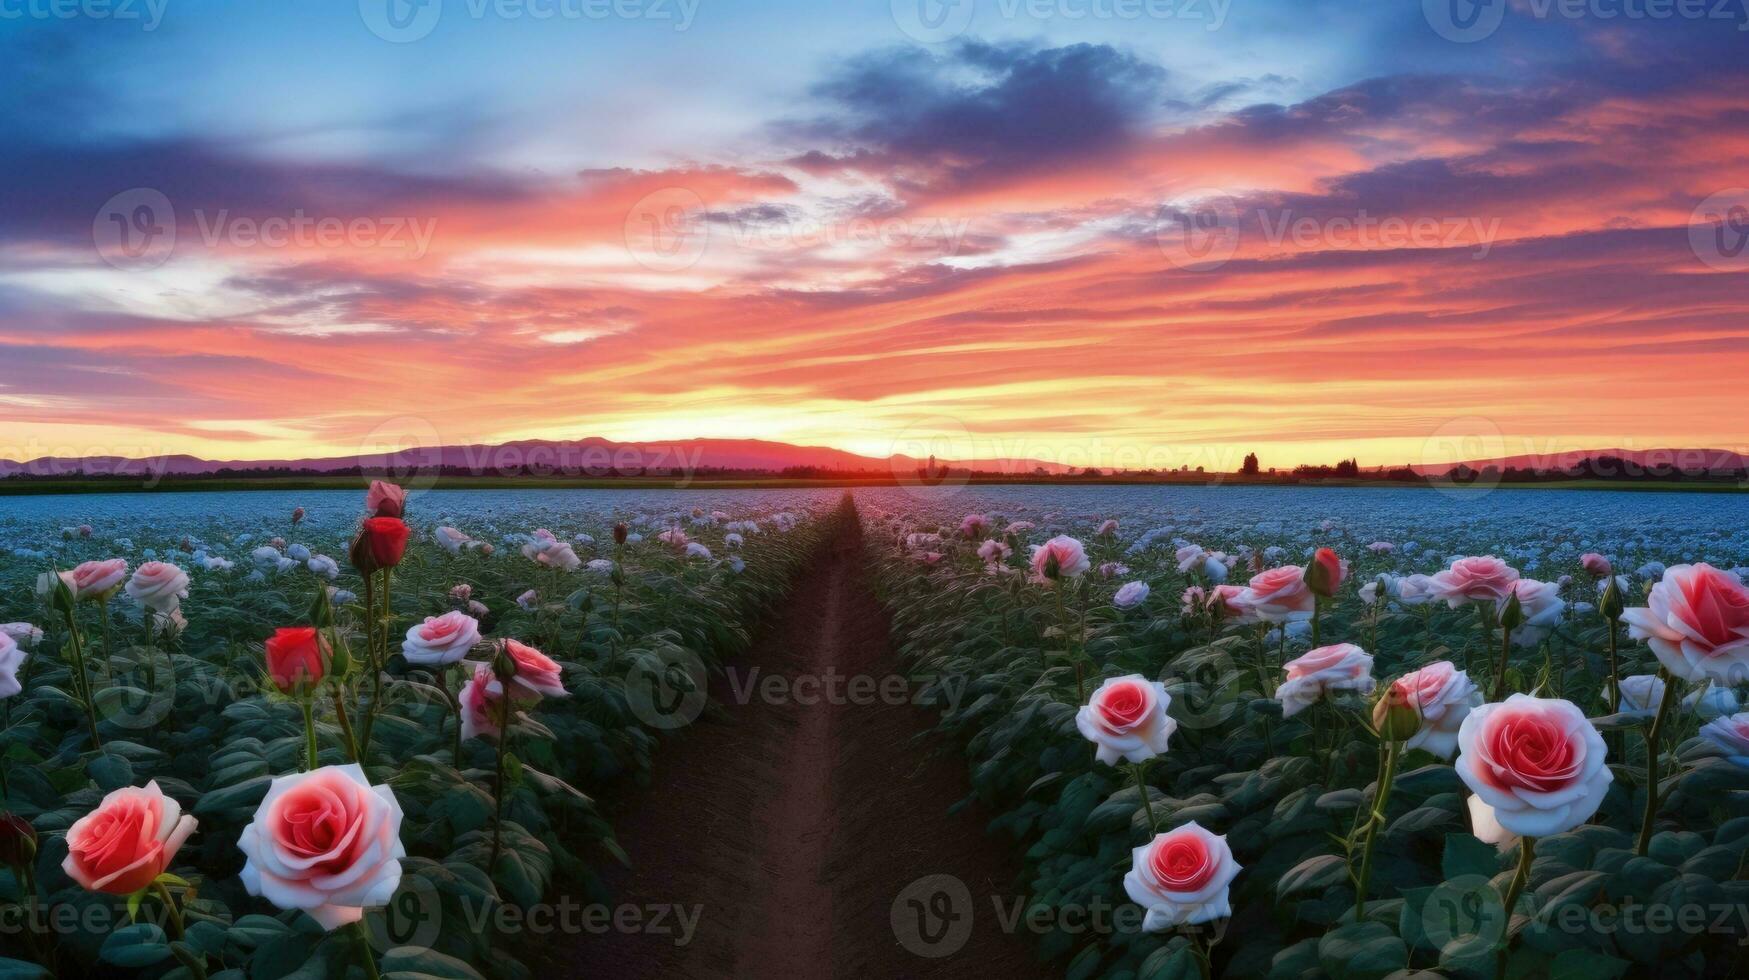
[793,825]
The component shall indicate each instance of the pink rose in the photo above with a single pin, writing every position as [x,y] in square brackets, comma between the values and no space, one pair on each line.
[974,526]
[1229,601]
[1065,553]
[327,842]
[1181,878]
[1697,623]
[159,586]
[1443,696]
[385,500]
[1535,765]
[97,579]
[462,592]
[1279,595]
[537,675]
[1126,718]
[127,842]
[1338,667]
[1595,564]
[482,701]
[1483,579]
[441,640]
[994,552]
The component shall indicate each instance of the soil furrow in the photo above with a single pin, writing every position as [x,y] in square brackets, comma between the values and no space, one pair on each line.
[794,824]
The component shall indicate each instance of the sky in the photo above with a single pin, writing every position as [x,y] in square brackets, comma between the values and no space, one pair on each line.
[1137,233]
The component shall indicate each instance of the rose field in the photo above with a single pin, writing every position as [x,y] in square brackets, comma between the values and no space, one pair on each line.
[1132,732]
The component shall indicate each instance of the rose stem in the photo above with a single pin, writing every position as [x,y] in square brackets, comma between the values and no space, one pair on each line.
[1526,854]
[1670,692]
[1140,769]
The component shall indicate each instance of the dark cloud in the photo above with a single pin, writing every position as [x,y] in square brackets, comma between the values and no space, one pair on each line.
[983,108]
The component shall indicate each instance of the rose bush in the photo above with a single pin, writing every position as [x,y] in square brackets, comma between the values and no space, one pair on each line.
[205,725]
[1308,797]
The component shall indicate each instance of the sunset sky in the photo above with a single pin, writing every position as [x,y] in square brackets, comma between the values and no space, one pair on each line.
[1105,232]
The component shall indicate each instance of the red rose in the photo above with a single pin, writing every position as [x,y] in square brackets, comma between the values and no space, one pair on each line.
[296,656]
[380,544]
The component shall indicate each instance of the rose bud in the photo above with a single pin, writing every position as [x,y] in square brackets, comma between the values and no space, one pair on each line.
[1610,604]
[297,515]
[297,658]
[621,532]
[1395,716]
[17,841]
[380,544]
[385,500]
[1325,573]
[127,842]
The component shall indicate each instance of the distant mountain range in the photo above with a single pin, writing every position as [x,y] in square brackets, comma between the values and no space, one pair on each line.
[601,457]
[1682,459]
[579,457]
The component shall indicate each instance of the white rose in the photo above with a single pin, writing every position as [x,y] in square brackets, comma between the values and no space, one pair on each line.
[441,640]
[159,586]
[327,842]
[1181,878]
[1339,667]
[11,658]
[1132,594]
[1126,718]
[1536,767]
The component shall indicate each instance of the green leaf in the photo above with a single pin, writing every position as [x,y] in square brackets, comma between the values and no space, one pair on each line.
[20,970]
[1584,964]
[1362,950]
[110,772]
[139,945]
[418,963]
[1314,874]
[1465,855]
